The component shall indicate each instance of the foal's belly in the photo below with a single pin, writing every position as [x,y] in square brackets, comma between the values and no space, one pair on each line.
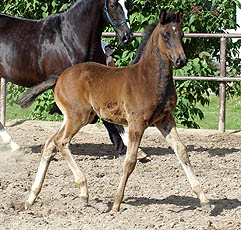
[112,112]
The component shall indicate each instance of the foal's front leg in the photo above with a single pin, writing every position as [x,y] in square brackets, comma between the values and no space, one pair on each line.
[168,129]
[134,139]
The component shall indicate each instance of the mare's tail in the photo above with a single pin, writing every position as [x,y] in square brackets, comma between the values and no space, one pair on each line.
[29,96]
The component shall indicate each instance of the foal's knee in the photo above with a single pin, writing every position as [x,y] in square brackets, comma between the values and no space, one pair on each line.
[48,153]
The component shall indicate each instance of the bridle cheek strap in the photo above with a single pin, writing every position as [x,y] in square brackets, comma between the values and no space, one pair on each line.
[115,25]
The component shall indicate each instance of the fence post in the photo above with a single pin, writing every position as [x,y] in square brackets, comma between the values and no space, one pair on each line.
[3,101]
[222,86]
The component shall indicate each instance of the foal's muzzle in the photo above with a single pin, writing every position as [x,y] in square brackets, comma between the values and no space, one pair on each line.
[180,61]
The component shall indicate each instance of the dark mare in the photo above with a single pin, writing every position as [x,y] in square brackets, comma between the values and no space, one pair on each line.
[139,95]
[32,50]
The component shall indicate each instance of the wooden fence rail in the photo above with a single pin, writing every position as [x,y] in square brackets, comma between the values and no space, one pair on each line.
[222,79]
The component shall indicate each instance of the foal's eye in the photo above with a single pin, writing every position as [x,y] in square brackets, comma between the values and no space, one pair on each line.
[165,35]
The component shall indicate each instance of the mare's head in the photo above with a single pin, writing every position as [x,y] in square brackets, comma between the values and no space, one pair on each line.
[116,13]
[170,37]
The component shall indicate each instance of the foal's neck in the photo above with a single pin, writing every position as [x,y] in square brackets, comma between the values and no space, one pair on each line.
[154,59]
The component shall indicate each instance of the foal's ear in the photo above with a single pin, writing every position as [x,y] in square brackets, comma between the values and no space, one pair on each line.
[162,16]
[180,16]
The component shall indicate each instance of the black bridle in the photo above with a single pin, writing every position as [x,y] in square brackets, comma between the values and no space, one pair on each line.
[115,25]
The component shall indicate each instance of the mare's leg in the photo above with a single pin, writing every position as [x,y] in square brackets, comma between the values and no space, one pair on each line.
[7,138]
[62,140]
[55,109]
[168,129]
[119,138]
[42,169]
[115,137]
[124,136]
[134,138]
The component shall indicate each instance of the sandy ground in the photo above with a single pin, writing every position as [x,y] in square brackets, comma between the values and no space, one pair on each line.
[157,196]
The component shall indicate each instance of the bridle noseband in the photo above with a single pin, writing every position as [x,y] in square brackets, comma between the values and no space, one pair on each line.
[115,25]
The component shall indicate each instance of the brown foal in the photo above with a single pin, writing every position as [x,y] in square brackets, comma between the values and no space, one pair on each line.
[139,95]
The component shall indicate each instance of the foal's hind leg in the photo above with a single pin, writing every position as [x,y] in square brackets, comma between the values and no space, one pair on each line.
[62,140]
[42,169]
[168,129]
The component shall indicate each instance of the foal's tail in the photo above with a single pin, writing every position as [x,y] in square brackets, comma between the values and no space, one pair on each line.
[29,96]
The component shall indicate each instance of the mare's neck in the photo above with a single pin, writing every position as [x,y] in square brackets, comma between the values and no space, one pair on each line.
[86,19]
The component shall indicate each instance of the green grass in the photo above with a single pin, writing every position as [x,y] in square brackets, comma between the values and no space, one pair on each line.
[15,112]
[211,113]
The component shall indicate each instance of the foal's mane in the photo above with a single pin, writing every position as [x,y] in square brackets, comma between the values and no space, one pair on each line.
[168,18]
[147,33]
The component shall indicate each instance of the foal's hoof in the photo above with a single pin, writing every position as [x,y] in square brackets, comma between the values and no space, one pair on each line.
[141,155]
[27,205]
[114,210]
[84,200]
[207,206]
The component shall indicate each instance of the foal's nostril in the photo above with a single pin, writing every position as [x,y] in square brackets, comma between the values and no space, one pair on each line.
[178,61]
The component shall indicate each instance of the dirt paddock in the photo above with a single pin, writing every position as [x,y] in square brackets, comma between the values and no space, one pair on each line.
[157,196]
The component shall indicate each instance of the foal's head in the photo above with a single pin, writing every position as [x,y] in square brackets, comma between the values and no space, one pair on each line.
[116,12]
[170,37]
